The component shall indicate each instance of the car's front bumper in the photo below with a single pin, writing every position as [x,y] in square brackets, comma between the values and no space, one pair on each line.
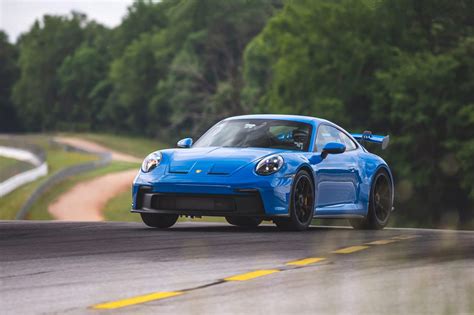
[264,196]
[247,203]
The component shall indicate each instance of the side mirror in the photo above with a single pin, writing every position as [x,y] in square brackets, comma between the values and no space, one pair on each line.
[185,143]
[333,148]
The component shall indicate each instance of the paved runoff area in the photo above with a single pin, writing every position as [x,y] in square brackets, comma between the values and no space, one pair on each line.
[206,268]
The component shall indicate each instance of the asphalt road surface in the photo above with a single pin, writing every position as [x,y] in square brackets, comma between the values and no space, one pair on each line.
[205,268]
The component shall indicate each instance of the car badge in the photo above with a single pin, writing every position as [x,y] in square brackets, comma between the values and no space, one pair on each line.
[198,171]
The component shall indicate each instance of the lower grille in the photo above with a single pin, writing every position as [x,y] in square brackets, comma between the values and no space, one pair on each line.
[248,203]
[192,203]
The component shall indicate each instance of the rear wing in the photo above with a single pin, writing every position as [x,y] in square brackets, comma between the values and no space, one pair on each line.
[369,137]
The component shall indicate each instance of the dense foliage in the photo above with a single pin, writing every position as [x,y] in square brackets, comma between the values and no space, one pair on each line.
[170,64]
[172,68]
[400,67]
[8,76]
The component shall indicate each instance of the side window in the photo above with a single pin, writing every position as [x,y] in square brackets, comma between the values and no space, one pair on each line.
[328,134]
[325,135]
[350,145]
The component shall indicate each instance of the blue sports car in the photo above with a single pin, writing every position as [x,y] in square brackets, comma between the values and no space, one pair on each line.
[284,168]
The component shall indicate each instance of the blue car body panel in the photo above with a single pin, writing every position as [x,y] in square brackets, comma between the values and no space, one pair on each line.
[342,181]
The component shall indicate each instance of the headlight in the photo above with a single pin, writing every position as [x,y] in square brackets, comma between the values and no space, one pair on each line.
[151,161]
[269,165]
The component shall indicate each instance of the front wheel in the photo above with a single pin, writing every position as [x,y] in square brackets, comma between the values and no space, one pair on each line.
[301,204]
[380,204]
[161,221]
[248,222]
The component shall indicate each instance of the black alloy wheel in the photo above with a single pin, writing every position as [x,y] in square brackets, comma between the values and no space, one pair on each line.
[301,206]
[380,204]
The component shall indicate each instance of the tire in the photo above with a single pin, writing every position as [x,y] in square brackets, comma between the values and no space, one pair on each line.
[380,204]
[161,221]
[301,204]
[248,222]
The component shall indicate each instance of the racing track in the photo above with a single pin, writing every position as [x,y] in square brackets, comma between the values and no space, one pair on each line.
[205,268]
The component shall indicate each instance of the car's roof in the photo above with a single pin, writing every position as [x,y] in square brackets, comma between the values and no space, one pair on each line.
[306,119]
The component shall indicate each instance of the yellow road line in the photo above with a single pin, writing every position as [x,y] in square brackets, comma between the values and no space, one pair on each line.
[306,261]
[349,250]
[382,242]
[136,300]
[405,237]
[251,275]
[245,276]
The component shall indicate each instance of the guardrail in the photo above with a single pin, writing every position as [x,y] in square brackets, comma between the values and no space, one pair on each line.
[104,159]
[23,152]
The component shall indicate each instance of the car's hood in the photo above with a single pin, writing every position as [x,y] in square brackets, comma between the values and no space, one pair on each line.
[214,160]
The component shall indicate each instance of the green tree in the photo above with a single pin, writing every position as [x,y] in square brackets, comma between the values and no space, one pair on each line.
[8,75]
[315,58]
[205,78]
[425,110]
[185,72]
[77,76]
[143,16]
[42,51]
[80,78]
[423,97]
[134,77]
[142,57]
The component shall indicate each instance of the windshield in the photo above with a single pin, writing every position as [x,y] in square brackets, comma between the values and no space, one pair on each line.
[259,133]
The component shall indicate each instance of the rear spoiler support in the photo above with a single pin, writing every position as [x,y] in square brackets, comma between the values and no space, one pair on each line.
[369,137]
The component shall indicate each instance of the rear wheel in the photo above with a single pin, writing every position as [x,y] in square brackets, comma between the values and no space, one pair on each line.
[380,204]
[248,222]
[161,221]
[301,204]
